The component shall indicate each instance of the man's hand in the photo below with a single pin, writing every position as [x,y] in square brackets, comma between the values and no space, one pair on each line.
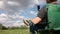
[54,2]
[35,20]
[25,22]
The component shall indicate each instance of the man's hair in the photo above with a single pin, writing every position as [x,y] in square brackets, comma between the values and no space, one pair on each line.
[50,1]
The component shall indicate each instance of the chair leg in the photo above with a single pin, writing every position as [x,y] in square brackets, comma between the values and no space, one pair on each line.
[45,32]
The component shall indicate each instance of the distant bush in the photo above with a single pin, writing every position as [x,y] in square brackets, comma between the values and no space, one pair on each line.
[23,27]
[4,28]
[14,28]
[0,26]
[10,28]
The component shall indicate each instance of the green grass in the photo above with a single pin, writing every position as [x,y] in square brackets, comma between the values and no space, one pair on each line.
[15,31]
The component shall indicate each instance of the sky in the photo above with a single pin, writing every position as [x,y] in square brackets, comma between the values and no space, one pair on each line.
[12,12]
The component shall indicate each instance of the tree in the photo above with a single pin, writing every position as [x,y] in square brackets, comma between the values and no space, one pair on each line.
[0,26]
[23,27]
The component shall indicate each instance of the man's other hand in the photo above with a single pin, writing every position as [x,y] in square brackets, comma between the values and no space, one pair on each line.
[25,22]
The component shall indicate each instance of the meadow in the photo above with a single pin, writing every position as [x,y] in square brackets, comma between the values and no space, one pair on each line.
[15,31]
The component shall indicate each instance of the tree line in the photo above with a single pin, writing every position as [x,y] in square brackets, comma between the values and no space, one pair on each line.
[7,28]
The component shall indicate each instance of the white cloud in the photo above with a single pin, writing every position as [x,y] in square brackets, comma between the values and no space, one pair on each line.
[13,23]
[15,17]
[1,4]
[16,20]
[42,1]
[3,17]
[13,3]
[34,13]
[11,20]
[36,2]
[13,8]
[16,24]
[31,6]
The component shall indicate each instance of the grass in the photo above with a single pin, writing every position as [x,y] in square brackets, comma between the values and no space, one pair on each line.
[15,31]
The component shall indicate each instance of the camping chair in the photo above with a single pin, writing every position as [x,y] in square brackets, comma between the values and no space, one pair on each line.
[53,19]
[53,16]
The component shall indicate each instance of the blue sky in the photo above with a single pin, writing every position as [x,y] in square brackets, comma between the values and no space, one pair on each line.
[13,12]
[31,13]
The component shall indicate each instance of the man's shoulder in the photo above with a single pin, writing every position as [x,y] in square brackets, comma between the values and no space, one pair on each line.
[44,7]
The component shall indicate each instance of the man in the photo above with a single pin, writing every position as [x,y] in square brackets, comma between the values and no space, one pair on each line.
[41,17]
[35,23]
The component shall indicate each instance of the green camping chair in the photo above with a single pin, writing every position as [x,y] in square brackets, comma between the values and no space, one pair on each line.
[53,17]
[53,13]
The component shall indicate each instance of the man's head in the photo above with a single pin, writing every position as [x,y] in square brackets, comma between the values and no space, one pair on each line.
[52,1]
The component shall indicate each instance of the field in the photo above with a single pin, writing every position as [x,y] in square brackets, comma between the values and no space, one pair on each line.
[15,31]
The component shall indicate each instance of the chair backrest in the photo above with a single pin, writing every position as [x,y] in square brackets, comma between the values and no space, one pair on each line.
[54,16]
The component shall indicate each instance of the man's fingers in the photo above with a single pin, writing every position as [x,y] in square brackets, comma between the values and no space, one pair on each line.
[25,22]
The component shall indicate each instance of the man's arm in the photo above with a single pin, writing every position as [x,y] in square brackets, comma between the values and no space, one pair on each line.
[39,17]
[36,20]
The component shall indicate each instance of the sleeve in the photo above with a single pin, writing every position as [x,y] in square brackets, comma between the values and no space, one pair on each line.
[42,12]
